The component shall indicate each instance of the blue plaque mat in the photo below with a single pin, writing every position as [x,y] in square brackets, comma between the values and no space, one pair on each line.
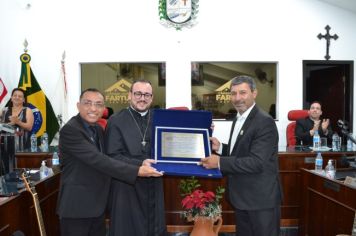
[170,124]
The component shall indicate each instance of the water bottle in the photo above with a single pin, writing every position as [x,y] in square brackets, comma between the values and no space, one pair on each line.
[319,163]
[33,143]
[44,171]
[330,170]
[316,140]
[349,144]
[44,142]
[55,159]
[336,142]
[17,140]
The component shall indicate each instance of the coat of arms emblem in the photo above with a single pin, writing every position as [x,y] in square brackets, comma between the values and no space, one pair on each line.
[178,13]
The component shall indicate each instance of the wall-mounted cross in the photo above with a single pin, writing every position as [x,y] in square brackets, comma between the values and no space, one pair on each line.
[327,37]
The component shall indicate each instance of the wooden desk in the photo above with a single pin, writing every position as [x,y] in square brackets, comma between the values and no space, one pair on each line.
[290,162]
[328,206]
[18,212]
[32,159]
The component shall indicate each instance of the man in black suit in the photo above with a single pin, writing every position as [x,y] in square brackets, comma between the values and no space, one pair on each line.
[250,161]
[86,171]
[305,128]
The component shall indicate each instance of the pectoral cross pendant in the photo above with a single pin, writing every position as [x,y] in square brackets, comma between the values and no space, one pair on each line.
[143,143]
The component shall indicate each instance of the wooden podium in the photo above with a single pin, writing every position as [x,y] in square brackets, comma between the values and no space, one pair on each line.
[328,206]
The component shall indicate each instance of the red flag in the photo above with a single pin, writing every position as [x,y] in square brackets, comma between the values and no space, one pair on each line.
[3,90]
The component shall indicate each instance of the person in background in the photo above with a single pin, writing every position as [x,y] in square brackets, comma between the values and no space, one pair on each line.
[250,161]
[87,171]
[305,128]
[138,209]
[19,115]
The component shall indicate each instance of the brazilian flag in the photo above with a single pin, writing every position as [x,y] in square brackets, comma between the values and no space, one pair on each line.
[38,99]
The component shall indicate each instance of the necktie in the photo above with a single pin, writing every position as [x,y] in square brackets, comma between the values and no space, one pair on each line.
[95,137]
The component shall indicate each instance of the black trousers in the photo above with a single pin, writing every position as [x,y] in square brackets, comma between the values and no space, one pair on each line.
[83,226]
[264,222]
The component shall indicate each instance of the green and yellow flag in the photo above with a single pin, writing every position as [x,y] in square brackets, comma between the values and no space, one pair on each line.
[38,99]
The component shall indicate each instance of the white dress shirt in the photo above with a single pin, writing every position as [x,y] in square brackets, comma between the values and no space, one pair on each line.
[238,125]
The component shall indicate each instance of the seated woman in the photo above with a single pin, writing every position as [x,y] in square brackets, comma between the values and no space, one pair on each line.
[20,116]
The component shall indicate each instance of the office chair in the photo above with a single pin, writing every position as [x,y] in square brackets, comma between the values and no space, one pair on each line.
[294,115]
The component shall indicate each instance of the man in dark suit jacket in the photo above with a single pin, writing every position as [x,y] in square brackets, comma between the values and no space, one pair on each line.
[250,161]
[86,171]
[305,128]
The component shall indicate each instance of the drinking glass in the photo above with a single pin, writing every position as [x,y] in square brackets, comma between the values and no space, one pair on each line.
[323,142]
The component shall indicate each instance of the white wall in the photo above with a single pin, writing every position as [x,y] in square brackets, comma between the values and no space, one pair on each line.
[121,30]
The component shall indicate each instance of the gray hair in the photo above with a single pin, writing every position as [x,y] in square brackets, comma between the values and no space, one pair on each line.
[243,79]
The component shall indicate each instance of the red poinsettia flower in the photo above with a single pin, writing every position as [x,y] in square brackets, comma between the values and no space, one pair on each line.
[197,203]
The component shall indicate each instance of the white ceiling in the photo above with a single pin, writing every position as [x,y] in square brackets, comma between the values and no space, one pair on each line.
[344,4]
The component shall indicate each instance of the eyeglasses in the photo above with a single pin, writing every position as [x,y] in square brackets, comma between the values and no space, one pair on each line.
[88,104]
[138,95]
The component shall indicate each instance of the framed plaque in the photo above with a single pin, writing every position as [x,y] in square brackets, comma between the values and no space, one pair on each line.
[181,140]
[181,144]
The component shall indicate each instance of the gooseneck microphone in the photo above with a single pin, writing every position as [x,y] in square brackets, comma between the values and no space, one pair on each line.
[345,130]
[342,124]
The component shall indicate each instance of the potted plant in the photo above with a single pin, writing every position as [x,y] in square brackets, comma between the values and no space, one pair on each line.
[201,207]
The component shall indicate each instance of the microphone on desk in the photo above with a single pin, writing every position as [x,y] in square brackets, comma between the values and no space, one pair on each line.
[299,144]
[345,130]
[342,124]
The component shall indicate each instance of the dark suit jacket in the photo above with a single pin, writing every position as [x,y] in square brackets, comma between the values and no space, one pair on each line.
[86,172]
[302,132]
[252,169]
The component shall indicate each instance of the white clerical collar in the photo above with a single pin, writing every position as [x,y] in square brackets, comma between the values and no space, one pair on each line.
[142,113]
[246,113]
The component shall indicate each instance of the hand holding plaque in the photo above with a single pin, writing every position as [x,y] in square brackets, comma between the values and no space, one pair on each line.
[211,162]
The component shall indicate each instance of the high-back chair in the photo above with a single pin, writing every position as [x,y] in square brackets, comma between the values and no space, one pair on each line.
[103,120]
[294,115]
